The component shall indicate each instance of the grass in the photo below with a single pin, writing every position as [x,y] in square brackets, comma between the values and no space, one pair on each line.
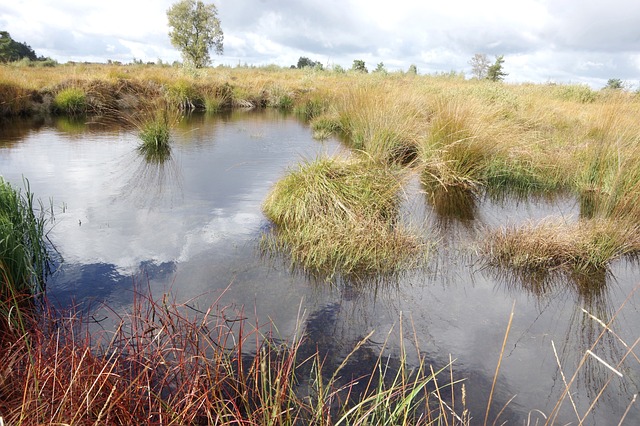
[336,215]
[154,121]
[585,246]
[166,363]
[70,101]
[25,257]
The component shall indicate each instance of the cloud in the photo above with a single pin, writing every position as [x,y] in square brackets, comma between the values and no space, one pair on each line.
[568,40]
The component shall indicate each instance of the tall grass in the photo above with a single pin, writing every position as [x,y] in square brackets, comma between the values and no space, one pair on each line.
[165,363]
[71,101]
[25,259]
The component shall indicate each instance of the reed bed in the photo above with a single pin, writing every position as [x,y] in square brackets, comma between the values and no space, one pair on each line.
[169,363]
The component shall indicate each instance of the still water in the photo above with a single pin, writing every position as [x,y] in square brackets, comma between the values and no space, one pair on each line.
[192,226]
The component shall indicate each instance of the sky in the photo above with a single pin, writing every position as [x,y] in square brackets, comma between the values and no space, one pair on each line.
[543,41]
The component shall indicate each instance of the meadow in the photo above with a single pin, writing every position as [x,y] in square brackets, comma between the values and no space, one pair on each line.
[332,215]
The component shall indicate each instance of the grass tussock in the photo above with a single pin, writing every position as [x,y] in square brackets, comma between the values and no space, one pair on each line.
[70,101]
[25,257]
[154,123]
[166,363]
[585,246]
[335,215]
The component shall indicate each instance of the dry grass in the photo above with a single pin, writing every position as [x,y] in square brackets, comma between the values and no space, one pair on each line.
[556,245]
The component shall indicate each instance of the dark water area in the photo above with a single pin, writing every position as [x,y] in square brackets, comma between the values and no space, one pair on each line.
[192,225]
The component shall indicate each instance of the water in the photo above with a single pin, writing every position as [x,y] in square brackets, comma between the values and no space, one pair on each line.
[192,224]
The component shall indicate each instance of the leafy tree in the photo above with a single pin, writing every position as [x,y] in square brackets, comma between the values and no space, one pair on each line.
[495,71]
[614,83]
[338,69]
[380,68]
[11,50]
[305,62]
[412,69]
[195,30]
[479,65]
[359,66]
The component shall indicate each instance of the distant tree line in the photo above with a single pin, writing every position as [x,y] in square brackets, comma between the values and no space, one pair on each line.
[11,50]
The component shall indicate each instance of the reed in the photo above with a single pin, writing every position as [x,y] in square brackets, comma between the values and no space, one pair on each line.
[25,251]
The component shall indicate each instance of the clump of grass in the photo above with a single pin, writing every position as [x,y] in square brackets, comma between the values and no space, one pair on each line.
[453,153]
[25,259]
[166,363]
[71,101]
[279,97]
[376,122]
[312,106]
[584,246]
[154,122]
[335,215]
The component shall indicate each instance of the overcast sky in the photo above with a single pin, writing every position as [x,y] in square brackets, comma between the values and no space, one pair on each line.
[563,41]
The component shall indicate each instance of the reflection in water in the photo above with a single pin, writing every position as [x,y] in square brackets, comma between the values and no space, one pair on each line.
[155,178]
[86,284]
[591,327]
[452,205]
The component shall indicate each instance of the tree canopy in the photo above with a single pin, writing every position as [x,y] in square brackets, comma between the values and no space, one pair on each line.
[495,71]
[359,66]
[479,65]
[195,30]
[11,50]
[304,62]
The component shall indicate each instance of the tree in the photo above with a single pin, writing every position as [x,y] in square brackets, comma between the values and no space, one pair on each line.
[305,62]
[479,65]
[495,72]
[614,83]
[412,69]
[359,66]
[380,68]
[11,50]
[195,30]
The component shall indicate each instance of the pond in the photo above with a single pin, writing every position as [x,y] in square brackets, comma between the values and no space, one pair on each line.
[192,225]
